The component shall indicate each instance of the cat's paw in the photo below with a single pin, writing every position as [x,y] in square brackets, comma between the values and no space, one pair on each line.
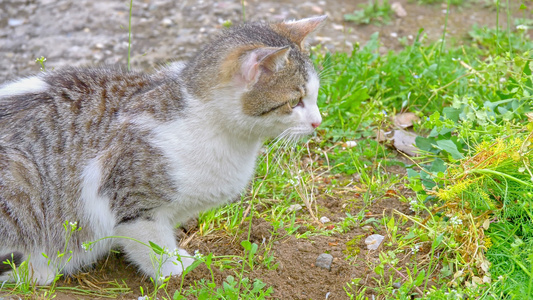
[40,275]
[176,264]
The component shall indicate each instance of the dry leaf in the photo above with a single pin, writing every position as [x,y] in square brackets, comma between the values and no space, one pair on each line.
[405,141]
[372,242]
[486,224]
[476,280]
[485,265]
[529,116]
[405,120]
[381,135]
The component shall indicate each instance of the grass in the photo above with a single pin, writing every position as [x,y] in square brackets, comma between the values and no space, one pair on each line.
[471,187]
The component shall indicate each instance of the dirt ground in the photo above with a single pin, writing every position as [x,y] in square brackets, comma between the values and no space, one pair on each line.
[95,32]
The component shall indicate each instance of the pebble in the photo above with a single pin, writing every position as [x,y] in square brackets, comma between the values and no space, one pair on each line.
[294,207]
[396,285]
[15,22]
[166,22]
[324,220]
[367,227]
[324,261]
[398,9]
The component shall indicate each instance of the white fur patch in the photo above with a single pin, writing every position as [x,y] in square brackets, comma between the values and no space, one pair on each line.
[30,85]
[210,158]
[162,234]
[97,210]
[312,112]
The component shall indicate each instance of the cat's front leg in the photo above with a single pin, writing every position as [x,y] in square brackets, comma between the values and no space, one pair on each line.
[154,264]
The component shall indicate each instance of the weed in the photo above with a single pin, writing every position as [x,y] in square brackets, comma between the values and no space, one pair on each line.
[372,12]
[41,61]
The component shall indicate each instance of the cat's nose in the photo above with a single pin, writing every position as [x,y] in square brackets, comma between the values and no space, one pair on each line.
[316,124]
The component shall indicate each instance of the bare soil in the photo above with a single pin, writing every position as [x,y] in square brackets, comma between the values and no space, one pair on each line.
[95,32]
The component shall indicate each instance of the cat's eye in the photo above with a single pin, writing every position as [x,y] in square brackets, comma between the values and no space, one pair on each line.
[295,102]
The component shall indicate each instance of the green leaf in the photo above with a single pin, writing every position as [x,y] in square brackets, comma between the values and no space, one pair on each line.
[450,147]
[425,144]
[156,248]
[451,113]
[420,278]
[438,165]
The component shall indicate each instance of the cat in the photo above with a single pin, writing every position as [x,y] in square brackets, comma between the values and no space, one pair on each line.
[123,153]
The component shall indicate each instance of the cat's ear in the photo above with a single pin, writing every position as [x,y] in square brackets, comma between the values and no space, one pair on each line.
[298,30]
[263,59]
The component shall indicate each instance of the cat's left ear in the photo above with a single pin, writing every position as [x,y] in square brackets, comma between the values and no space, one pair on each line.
[263,59]
[298,30]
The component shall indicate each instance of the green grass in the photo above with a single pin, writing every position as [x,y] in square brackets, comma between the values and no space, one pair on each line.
[471,187]
[372,12]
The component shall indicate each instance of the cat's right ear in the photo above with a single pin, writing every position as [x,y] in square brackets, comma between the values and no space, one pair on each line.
[261,60]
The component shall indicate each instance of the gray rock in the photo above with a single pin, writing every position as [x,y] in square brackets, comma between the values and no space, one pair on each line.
[324,261]
[397,285]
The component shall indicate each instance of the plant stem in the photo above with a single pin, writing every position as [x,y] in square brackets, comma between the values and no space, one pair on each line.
[129,36]
[443,36]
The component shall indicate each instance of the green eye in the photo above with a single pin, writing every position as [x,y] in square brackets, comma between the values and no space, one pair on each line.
[294,102]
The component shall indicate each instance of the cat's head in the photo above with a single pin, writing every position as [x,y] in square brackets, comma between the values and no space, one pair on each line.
[266,85]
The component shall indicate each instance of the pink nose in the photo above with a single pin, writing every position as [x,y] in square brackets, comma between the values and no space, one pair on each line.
[315,125]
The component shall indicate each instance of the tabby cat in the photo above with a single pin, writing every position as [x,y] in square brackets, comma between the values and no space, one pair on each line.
[132,154]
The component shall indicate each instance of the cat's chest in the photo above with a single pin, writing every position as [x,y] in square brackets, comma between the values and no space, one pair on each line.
[208,169]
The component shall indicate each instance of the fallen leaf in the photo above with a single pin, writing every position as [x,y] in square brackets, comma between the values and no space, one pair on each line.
[477,280]
[404,141]
[485,266]
[530,116]
[372,242]
[486,224]
[390,193]
[333,244]
[381,135]
[405,120]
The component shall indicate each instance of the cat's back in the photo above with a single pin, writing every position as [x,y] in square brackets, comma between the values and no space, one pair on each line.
[82,101]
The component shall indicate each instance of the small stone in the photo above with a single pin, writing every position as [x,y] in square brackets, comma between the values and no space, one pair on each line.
[15,22]
[324,220]
[166,22]
[294,207]
[394,34]
[99,46]
[367,228]
[349,144]
[317,9]
[396,285]
[398,9]
[324,261]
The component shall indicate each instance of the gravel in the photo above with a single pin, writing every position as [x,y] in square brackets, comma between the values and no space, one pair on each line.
[324,261]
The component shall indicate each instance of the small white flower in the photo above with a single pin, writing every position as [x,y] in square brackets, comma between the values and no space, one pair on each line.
[521,27]
[455,220]
[415,248]
[197,254]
